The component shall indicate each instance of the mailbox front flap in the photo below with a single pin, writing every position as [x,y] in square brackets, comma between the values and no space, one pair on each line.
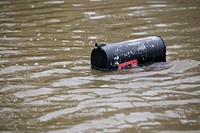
[99,58]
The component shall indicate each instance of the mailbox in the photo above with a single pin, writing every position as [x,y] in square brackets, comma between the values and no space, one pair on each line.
[128,53]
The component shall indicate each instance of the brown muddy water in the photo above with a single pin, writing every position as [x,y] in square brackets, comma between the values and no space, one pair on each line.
[47,85]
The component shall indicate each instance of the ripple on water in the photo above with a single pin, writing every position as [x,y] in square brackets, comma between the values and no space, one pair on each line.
[61,63]
[14,88]
[174,131]
[53,20]
[115,123]
[183,65]
[54,2]
[13,69]
[134,8]
[34,92]
[75,82]
[36,58]
[167,103]
[81,68]
[96,91]
[97,17]
[51,72]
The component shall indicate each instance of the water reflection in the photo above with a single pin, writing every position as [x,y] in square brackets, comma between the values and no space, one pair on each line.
[47,84]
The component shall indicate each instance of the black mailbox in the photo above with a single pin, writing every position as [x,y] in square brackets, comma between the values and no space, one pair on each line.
[128,53]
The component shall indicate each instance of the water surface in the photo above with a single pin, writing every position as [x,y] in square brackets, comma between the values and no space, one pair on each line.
[47,85]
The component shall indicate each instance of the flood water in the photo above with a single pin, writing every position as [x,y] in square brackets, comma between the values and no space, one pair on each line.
[47,84]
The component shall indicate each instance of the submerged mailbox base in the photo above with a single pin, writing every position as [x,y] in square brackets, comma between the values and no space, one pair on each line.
[128,53]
